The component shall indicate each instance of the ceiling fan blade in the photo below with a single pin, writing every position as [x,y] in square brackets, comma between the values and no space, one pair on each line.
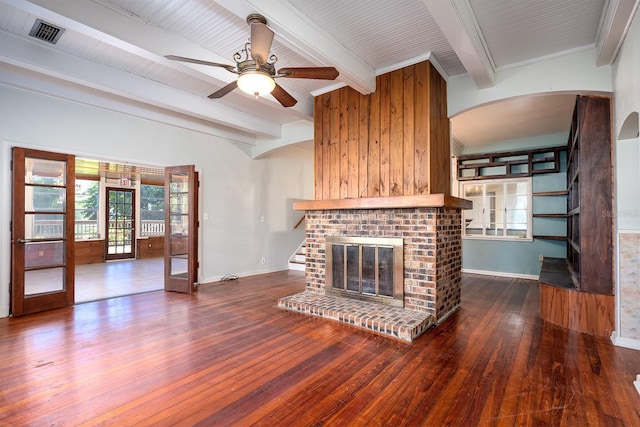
[323,73]
[261,39]
[201,62]
[223,91]
[283,96]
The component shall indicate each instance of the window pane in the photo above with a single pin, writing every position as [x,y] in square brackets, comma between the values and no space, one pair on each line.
[45,172]
[179,203]
[43,281]
[500,208]
[152,210]
[519,188]
[43,254]
[179,225]
[516,230]
[516,202]
[40,199]
[179,183]
[473,218]
[44,226]
[179,267]
[87,199]
[492,231]
[517,216]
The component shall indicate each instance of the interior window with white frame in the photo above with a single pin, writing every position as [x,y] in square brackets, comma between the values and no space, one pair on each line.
[501,209]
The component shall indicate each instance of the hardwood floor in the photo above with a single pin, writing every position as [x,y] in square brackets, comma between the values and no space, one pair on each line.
[228,356]
[117,278]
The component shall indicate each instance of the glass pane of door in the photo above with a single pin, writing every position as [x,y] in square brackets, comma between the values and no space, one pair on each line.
[42,231]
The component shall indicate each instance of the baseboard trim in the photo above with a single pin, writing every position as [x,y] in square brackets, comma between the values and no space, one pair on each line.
[501,274]
[625,342]
[213,279]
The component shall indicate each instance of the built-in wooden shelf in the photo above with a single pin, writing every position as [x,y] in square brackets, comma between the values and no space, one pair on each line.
[509,164]
[398,202]
[544,237]
[552,193]
[555,272]
[550,215]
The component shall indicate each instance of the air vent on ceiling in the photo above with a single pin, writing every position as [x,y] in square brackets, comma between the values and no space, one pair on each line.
[44,31]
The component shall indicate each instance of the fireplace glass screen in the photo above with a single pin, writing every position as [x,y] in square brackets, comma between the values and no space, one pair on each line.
[366,268]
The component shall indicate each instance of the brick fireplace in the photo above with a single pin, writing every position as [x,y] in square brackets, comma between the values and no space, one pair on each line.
[382,170]
[431,237]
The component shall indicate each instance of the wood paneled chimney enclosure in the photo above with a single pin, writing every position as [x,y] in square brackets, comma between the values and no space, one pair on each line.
[382,171]
[393,142]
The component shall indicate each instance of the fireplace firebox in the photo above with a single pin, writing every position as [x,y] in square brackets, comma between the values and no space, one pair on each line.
[365,268]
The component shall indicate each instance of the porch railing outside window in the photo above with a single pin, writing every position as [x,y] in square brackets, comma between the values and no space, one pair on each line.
[152,228]
[88,229]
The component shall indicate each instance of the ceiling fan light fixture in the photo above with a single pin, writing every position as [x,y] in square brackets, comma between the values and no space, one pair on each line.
[256,83]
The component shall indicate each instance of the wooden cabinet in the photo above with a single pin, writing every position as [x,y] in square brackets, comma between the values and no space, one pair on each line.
[589,198]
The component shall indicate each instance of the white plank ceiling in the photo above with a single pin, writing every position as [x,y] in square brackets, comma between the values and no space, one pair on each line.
[114,50]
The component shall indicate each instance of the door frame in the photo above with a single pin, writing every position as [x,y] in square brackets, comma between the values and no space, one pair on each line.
[128,255]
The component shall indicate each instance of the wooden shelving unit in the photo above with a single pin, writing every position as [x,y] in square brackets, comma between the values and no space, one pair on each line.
[550,215]
[511,164]
[589,198]
[588,305]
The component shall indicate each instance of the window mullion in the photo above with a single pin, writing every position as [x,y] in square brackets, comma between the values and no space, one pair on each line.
[504,210]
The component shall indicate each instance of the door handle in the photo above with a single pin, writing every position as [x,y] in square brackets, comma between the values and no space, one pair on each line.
[23,241]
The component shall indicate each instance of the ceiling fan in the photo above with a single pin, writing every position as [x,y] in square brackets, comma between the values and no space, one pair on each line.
[256,68]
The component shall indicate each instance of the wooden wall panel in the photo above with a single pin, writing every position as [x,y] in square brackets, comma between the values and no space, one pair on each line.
[421,136]
[577,310]
[152,247]
[363,143]
[383,87]
[373,172]
[353,106]
[89,251]
[319,143]
[326,147]
[408,131]
[334,146]
[396,128]
[439,138]
[394,142]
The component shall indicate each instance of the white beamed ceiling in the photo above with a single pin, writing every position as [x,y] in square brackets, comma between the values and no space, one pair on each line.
[111,54]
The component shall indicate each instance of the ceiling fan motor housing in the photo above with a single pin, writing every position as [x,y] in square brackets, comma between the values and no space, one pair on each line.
[256,18]
[251,65]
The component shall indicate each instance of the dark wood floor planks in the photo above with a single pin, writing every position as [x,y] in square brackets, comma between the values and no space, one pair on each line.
[229,356]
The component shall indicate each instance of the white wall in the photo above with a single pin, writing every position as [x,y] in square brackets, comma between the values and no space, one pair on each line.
[574,73]
[235,190]
[626,83]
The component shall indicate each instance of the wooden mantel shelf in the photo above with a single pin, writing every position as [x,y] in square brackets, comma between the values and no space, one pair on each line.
[420,201]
